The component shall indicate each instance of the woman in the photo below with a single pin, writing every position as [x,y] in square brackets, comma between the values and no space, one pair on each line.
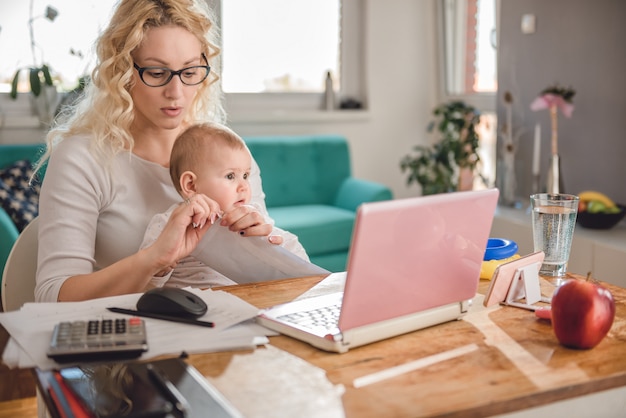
[107,174]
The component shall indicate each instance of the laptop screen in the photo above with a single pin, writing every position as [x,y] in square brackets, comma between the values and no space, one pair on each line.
[409,255]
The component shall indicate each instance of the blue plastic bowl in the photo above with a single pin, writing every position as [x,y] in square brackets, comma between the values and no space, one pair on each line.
[500,248]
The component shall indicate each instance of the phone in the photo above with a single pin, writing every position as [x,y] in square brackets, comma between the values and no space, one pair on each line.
[114,390]
[503,277]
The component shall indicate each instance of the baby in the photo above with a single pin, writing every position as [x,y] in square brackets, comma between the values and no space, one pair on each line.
[212,160]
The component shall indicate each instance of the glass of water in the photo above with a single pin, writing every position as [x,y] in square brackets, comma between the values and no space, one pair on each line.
[553,220]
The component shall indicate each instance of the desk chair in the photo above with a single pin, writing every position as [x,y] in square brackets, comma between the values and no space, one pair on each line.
[18,282]
[18,279]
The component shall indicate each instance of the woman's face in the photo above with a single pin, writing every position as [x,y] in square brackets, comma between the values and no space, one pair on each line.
[164,108]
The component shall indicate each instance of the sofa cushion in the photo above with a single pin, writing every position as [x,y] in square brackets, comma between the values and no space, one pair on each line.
[333,262]
[9,153]
[17,197]
[301,169]
[321,229]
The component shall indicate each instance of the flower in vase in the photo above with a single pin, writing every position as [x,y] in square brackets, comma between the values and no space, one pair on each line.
[559,97]
[554,98]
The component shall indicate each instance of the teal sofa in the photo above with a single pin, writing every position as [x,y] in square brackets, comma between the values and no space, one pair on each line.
[311,192]
[308,185]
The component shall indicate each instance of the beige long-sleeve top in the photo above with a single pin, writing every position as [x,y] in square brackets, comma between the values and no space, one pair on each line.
[93,214]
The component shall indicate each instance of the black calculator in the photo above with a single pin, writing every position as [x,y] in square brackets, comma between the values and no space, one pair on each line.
[98,339]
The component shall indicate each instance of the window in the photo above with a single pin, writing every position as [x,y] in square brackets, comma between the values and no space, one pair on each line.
[276,52]
[36,32]
[325,35]
[468,40]
[469,36]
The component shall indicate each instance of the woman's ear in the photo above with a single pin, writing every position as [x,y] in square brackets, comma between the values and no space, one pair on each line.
[188,183]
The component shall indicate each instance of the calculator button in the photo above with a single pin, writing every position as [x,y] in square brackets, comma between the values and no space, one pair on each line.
[120,326]
[107,326]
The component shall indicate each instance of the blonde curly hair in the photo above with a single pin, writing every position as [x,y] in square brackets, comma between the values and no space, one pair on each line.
[105,110]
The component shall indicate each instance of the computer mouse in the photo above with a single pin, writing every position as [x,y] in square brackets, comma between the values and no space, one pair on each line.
[172,301]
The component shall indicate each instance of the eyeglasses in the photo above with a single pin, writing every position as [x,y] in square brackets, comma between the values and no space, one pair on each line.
[160,76]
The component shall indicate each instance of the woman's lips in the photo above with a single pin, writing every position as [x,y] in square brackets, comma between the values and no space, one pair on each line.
[172,111]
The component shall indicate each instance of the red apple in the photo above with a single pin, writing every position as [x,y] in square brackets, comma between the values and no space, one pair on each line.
[582,313]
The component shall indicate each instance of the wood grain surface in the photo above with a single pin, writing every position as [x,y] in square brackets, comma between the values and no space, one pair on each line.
[518,363]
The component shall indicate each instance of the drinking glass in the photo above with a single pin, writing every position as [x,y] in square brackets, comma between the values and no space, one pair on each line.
[553,221]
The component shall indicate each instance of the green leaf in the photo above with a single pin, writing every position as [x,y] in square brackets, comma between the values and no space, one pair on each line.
[46,75]
[435,167]
[16,77]
[35,82]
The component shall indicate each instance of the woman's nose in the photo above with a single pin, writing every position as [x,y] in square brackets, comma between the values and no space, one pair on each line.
[174,89]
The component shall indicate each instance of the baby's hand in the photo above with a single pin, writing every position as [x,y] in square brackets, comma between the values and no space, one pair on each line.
[205,209]
[247,221]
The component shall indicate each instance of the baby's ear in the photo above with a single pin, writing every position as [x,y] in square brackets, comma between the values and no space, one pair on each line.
[188,183]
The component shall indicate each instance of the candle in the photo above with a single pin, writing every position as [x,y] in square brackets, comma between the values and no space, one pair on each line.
[509,124]
[536,150]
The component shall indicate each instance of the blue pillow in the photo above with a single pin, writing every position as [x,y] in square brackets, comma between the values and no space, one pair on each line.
[17,197]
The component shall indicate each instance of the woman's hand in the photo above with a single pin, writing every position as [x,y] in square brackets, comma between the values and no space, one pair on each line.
[249,222]
[185,228]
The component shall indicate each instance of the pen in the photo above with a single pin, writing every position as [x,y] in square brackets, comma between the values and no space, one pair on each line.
[166,385]
[164,317]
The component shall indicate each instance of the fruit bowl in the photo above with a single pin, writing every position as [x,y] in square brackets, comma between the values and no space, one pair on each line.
[600,220]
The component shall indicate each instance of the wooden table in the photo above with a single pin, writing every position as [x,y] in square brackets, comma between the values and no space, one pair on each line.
[518,364]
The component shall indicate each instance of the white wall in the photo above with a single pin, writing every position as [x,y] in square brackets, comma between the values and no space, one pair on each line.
[578,43]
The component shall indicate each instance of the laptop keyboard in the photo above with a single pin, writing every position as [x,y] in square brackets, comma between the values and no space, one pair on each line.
[326,317]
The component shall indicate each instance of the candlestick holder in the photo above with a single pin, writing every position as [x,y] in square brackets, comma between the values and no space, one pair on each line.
[554,178]
[507,181]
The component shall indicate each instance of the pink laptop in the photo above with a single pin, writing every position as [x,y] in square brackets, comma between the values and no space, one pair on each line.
[413,263]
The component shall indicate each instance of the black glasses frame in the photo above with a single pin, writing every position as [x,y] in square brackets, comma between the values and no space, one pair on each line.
[141,70]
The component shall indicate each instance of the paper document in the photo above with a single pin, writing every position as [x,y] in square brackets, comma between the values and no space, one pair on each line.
[31,327]
[250,259]
[334,282]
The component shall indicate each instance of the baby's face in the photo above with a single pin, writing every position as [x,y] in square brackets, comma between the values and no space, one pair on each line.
[224,177]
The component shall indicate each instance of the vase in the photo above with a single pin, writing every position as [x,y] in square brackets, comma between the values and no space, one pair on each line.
[466,179]
[507,183]
[554,178]
[44,106]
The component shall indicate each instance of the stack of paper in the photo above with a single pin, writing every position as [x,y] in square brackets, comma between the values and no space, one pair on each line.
[31,327]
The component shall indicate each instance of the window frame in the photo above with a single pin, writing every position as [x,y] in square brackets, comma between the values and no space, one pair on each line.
[246,106]
[485,102]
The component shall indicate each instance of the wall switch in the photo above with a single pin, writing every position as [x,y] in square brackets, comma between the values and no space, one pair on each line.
[528,24]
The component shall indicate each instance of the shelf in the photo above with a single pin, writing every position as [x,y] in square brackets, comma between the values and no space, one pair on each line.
[297,116]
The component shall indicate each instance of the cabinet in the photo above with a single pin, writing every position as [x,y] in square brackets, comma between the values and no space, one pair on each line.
[603,252]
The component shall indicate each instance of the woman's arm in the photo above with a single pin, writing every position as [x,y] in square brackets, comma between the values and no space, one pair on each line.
[133,273]
[93,218]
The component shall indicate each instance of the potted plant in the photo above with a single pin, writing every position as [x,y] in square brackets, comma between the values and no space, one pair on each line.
[38,77]
[44,93]
[441,168]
